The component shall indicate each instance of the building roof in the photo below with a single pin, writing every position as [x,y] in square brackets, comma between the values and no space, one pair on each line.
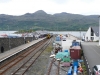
[96,30]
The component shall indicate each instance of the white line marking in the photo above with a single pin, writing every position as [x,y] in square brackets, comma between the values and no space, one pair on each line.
[88,66]
[96,52]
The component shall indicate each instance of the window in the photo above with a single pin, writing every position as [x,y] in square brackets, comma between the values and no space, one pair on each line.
[92,38]
[95,67]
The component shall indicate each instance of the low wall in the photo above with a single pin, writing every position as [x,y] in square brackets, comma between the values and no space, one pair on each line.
[9,43]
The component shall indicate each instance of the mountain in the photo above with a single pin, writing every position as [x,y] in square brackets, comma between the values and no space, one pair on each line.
[41,20]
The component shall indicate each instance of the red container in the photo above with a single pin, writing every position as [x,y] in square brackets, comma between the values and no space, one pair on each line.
[75,52]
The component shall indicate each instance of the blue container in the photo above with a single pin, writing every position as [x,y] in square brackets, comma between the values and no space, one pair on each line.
[58,39]
[65,50]
[75,44]
[75,69]
[80,60]
[70,71]
[75,63]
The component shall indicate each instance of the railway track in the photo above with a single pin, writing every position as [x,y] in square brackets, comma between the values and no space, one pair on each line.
[51,69]
[20,64]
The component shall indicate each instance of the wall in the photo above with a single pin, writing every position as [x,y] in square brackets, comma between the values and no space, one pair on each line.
[87,36]
[9,43]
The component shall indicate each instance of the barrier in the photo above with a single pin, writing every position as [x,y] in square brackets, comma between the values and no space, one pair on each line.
[70,71]
[75,70]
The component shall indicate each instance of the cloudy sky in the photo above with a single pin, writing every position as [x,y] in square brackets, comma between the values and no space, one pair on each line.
[20,7]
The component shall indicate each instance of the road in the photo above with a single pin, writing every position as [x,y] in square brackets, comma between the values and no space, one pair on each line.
[92,53]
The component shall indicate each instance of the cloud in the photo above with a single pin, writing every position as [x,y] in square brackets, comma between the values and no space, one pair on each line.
[5,1]
[59,1]
[20,7]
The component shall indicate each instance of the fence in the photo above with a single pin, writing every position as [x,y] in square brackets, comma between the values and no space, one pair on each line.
[9,43]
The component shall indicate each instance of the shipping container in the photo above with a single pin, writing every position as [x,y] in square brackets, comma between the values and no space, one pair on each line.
[75,63]
[75,44]
[75,52]
[58,38]
[65,64]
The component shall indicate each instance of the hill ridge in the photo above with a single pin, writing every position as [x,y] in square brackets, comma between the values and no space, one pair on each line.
[41,20]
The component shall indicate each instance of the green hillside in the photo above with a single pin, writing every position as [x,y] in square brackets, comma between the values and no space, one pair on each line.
[40,20]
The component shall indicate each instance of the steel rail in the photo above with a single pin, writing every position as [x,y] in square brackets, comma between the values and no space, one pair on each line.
[57,71]
[23,69]
[50,67]
[10,64]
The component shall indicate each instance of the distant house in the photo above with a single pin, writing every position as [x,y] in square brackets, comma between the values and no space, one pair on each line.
[92,34]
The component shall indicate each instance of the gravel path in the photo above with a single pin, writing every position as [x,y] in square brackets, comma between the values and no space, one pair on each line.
[40,66]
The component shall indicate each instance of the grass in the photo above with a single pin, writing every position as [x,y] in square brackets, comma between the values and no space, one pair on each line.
[84,67]
[49,48]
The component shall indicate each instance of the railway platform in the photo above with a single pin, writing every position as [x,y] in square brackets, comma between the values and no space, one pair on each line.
[11,52]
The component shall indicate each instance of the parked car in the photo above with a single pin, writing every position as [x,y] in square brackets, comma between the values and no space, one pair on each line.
[64,38]
[96,70]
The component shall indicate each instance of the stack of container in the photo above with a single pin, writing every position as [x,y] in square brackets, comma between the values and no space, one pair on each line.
[75,50]
[75,43]
[58,38]
[64,57]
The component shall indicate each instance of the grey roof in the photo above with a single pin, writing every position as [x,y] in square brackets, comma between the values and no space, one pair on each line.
[96,30]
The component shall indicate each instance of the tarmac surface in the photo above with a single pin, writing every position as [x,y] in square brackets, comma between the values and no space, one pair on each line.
[92,53]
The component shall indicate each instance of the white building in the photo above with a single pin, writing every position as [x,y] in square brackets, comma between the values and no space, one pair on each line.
[92,34]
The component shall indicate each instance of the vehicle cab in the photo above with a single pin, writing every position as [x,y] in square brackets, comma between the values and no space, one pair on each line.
[96,70]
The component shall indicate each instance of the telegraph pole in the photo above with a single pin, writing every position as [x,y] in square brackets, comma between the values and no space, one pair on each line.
[99,30]
[9,36]
[80,33]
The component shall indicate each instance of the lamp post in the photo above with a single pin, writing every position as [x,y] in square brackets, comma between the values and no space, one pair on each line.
[17,30]
[32,34]
[8,36]
[57,29]
[99,30]
[80,33]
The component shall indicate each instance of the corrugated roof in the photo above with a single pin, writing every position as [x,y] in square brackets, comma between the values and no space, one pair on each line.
[96,30]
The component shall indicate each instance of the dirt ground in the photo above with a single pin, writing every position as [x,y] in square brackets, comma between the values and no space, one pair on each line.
[41,65]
